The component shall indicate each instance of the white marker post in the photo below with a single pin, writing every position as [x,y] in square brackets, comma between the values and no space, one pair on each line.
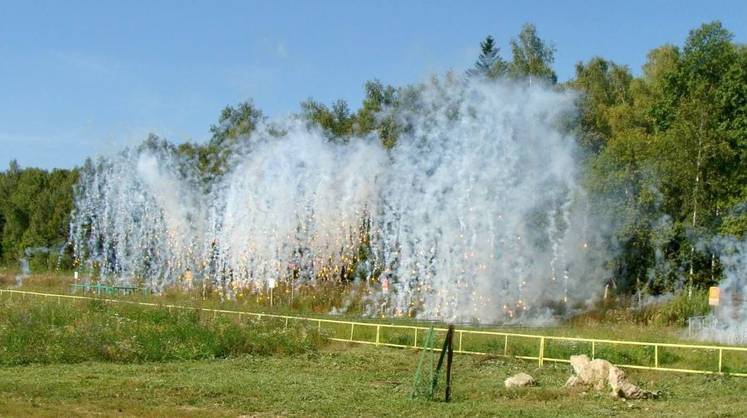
[385,292]
[271,285]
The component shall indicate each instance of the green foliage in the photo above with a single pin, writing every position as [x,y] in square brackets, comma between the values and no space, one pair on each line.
[48,332]
[532,58]
[235,123]
[666,156]
[337,120]
[606,88]
[34,215]
[212,159]
[489,64]
[234,129]
[376,115]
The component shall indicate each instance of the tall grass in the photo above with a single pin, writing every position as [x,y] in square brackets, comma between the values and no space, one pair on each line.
[671,312]
[40,331]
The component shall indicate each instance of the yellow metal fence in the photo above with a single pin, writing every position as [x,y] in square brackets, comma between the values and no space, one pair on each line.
[686,358]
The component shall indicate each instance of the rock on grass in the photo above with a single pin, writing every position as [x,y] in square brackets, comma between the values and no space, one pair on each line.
[520,380]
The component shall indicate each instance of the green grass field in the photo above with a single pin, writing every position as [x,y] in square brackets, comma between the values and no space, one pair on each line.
[339,381]
[88,358]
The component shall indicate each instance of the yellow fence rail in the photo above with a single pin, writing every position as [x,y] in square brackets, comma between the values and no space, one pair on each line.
[710,359]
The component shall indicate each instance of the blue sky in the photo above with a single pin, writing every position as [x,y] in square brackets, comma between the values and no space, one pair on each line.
[81,78]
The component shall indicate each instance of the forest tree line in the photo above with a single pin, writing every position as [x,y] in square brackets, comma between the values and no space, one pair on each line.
[664,153]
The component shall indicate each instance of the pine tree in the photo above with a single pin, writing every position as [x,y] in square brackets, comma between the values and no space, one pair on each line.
[489,64]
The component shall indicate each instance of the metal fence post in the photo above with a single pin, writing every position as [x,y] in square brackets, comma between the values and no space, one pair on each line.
[505,345]
[689,327]
[593,350]
[378,330]
[720,358]
[541,351]
[460,340]
[415,343]
[352,330]
[656,356]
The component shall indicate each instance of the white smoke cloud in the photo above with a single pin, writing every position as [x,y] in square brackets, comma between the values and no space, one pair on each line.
[483,190]
[475,214]
[296,203]
[728,322]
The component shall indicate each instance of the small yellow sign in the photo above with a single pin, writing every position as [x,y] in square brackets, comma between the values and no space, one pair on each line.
[713,295]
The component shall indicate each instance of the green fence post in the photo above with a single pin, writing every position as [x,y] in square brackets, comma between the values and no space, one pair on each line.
[427,348]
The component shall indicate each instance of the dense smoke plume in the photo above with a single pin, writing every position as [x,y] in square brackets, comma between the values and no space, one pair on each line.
[475,214]
[728,322]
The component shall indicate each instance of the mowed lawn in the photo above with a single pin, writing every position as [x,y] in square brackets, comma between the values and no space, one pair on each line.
[341,380]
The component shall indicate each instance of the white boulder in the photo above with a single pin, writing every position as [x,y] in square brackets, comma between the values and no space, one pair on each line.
[520,380]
